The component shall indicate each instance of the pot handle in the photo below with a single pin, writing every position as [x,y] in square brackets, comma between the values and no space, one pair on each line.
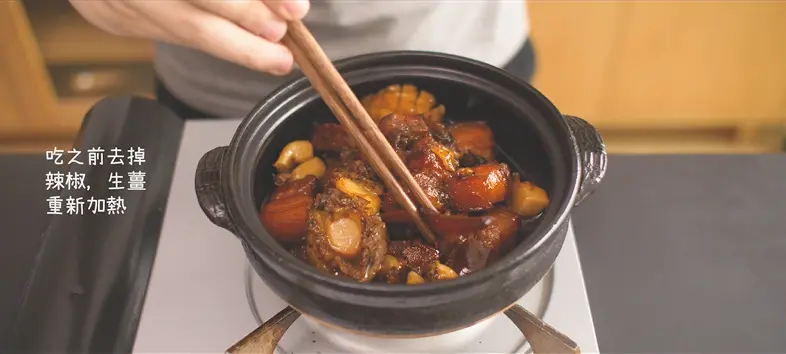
[592,152]
[543,338]
[207,182]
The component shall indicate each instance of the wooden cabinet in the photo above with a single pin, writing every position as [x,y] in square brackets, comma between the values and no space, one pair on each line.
[573,44]
[640,69]
[670,76]
[25,90]
[51,62]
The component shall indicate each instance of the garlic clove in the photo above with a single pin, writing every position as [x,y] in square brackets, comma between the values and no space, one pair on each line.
[295,152]
[414,278]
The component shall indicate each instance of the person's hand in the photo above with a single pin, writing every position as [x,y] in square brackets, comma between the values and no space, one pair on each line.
[245,32]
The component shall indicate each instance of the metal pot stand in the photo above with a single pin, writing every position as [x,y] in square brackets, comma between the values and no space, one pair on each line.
[265,339]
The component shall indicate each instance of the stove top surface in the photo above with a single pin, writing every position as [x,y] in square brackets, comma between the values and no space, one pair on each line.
[201,293]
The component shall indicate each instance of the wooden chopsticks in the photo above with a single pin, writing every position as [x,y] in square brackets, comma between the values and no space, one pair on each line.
[338,96]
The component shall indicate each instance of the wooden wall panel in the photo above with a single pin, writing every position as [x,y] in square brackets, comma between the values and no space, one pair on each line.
[696,64]
[573,41]
[28,99]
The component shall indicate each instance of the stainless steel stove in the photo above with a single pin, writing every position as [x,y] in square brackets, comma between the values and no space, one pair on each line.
[203,297]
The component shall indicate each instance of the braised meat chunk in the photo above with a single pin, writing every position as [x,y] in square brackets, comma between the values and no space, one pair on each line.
[331,137]
[473,251]
[429,155]
[285,215]
[414,263]
[475,138]
[419,257]
[345,235]
[478,188]
[343,239]
[429,161]
[403,130]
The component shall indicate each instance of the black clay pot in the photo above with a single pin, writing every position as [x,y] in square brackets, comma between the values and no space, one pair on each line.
[564,155]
